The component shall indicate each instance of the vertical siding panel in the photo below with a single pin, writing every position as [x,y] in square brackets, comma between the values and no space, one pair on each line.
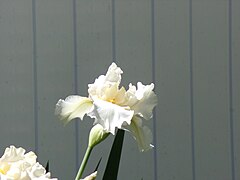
[134,55]
[153,53]
[236,84]
[210,75]
[54,48]
[113,30]
[16,75]
[94,55]
[35,90]
[191,92]
[75,64]
[173,86]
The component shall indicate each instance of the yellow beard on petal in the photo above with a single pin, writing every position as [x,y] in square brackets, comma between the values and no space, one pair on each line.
[2,172]
[111,101]
[114,95]
[4,169]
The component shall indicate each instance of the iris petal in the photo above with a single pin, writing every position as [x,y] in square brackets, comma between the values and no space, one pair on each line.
[73,107]
[142,134]
[110,115]
[147,101]
[103,82]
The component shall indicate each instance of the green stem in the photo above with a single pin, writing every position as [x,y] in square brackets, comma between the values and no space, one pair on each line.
[84,163]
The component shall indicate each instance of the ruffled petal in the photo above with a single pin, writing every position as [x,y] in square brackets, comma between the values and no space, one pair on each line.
[73,107]
[15,164]
[104,82]
[13,154]
[147,100]
[38,172]
[110,116]
[130,98]
[114,73]
[142,134]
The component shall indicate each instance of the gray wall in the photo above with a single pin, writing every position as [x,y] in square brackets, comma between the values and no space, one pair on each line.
[189,48]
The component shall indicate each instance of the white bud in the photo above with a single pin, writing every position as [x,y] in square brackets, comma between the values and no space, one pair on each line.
[97,135]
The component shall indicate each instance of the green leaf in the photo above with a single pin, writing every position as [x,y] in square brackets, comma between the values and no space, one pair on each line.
[98,164]
[47,167]
[112,167]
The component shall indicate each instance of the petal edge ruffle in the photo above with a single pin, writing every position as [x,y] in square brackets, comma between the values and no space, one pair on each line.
[110,116]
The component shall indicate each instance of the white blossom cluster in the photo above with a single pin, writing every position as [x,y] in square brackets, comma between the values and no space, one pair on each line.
[15,164]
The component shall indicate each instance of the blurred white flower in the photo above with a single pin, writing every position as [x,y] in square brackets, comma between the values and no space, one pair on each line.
[38,172]
[16,165]
[91,176]
[113,107]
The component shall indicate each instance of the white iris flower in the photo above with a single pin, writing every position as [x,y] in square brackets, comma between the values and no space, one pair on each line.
[113,107]
[16,165]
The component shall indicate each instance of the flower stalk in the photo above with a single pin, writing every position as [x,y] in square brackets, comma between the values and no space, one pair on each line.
[96,135]
[84,162]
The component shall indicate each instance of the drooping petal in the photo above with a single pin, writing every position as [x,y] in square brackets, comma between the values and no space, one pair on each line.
[73,107]
[142,134]
[147,100]
[110,116]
